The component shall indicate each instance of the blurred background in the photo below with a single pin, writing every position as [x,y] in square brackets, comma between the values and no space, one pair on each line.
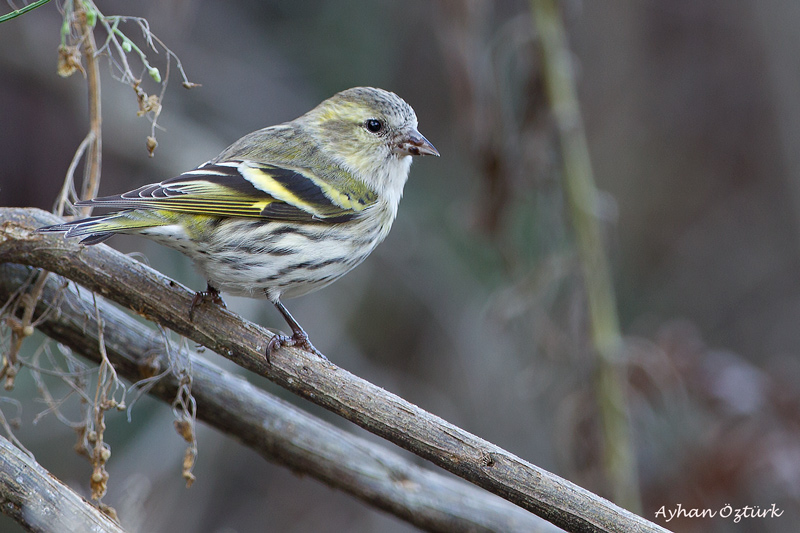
[474,306]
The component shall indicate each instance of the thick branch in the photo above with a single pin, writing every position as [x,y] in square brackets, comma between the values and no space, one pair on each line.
[277,430]
[152,295]
[39,502]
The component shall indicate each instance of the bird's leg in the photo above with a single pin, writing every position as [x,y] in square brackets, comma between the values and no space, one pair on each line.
[200,297]
[299,337]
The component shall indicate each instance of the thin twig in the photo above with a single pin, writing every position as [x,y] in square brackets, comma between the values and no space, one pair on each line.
[6,425]
[68,193]
[21,329]
[22,10]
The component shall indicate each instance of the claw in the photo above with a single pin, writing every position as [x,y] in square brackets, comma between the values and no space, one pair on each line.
[279,340]
[201,297]
[299,337]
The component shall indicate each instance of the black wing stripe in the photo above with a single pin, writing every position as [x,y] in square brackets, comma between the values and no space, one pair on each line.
[300,186]
[227,176]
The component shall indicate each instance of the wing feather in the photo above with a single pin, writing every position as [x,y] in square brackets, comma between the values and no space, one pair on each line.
[245,189]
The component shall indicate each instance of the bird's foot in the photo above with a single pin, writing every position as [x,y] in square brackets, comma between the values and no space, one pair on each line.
[201,297]
[299,340]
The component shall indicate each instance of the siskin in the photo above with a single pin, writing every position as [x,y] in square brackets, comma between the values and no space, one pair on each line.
[284,210]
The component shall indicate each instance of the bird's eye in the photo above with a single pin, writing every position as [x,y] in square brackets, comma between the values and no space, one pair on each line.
[374,125]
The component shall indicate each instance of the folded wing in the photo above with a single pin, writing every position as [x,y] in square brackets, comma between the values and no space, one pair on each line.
[247,189]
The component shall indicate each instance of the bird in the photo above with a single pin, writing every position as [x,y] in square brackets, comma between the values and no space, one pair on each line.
[283,211]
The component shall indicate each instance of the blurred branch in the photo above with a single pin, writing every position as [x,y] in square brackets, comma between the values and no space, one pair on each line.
[39,502]
[158,298]
[582,198]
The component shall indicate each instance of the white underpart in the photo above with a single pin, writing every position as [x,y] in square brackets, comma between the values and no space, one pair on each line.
[258,258]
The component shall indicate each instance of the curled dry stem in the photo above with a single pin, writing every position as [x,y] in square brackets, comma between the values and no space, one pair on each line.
[21,328]
[185,409]
[108,384]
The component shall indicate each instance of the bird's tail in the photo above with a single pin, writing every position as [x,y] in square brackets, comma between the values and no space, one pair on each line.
[97,229]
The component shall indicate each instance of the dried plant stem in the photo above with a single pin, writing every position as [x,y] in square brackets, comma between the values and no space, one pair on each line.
[6,425]
[107,384]
[619,459]
[20,330]
[91,180]
[68,188]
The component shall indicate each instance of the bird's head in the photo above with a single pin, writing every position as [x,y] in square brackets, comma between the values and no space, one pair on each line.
[370,130]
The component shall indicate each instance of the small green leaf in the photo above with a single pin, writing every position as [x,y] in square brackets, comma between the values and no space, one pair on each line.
[155,74]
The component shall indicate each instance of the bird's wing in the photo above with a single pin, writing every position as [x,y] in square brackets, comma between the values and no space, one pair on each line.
[247,189]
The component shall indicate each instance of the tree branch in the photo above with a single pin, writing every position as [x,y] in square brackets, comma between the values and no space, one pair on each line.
[277,430]
[42,503]
[158,298]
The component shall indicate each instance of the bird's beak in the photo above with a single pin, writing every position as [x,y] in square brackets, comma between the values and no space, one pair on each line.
[415,144]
